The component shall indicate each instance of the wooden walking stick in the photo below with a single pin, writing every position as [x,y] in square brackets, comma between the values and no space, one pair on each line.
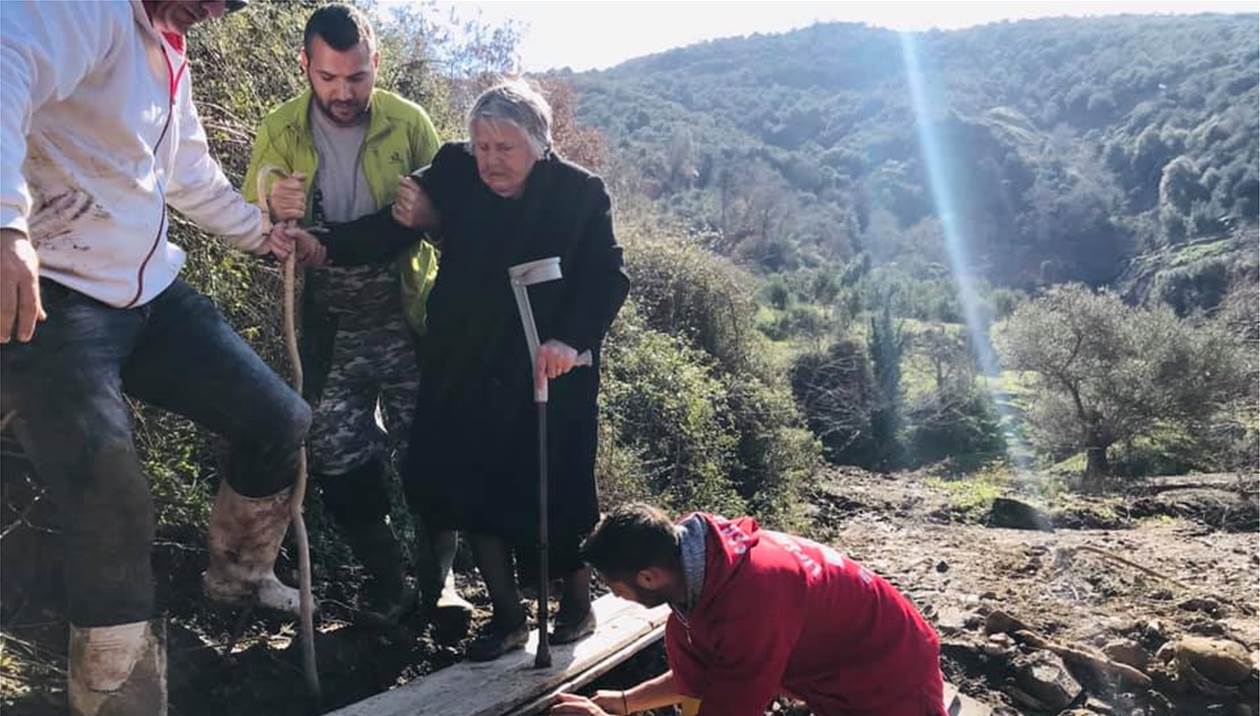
[307,601]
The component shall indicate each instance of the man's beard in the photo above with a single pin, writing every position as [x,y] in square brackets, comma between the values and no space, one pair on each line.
[356,110]
[648,597]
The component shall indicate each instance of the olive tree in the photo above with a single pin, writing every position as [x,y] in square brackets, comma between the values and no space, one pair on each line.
[1107,373]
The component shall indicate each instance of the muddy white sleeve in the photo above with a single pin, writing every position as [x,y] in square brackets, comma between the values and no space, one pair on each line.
[46,50]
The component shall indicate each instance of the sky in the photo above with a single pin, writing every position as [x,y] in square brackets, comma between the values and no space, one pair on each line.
[596,34]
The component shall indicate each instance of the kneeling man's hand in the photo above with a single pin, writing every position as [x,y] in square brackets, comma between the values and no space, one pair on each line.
[574,705]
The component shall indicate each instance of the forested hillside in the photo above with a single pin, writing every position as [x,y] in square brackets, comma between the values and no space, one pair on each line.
[1070,145]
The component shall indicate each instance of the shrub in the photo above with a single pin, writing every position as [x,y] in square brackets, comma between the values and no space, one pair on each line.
[836,392]
[949,424]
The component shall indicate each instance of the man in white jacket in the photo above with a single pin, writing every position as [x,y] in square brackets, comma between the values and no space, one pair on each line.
[98,137]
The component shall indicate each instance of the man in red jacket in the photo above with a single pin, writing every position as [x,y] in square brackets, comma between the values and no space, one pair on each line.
[758,613]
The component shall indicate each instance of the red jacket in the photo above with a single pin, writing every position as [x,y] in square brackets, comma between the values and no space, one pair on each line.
[779,613]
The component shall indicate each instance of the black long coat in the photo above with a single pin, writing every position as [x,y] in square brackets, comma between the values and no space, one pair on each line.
[472,462]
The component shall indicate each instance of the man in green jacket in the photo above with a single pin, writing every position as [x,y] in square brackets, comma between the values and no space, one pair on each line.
[344,144]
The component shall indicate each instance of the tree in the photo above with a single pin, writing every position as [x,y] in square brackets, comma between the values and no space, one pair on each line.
[574,141]
[1108,373]
[835,391]
[885,343]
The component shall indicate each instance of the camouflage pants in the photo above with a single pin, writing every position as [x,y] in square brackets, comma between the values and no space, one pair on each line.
[364,410]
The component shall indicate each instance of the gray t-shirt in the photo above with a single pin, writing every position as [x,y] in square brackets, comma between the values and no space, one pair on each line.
[362,297]
[344,191]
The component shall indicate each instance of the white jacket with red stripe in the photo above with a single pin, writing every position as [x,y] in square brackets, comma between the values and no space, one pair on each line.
[98,135]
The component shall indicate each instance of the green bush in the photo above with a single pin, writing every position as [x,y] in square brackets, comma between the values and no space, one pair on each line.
[701,414]
[836,392]
[684,290]
[663,406]
[951,424]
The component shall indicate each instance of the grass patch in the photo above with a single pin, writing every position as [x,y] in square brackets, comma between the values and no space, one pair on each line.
[973,494]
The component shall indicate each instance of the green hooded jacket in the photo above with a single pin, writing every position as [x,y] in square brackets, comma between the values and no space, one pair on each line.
[400,139]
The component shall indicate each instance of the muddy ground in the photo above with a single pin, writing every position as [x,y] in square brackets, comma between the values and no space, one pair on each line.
[1124,576]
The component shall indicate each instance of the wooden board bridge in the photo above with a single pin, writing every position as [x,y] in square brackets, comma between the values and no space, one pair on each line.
[511,686]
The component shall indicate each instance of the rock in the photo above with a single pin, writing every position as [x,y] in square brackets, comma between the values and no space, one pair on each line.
[1154,630]
[1095,706]
[999,645]
[952,620]
[1024,698]
[1127,651]
[1207,627]
[1043,676]
[1203,604]
[1166,652]
[1017,515]
[999,621]
[942,566]
[1218,660]
[960,704]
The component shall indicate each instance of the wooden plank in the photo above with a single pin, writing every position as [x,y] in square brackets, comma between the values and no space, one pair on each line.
[610,662]
[497,687]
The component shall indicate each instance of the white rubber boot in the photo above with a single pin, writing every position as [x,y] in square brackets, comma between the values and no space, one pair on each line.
[244,539]
[118,670]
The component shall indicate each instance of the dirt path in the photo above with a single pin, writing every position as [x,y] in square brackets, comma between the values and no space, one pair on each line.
[959,571]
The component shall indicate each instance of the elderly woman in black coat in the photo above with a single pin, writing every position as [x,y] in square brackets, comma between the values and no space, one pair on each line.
[502,199]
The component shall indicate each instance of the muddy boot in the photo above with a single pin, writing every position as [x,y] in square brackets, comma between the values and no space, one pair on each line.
[358,501]
[118,670]
[244,539]
[442,604]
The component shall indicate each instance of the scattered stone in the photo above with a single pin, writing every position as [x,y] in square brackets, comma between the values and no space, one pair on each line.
[1154,630]
[1096,706]
[1043,675]
[1025,698]
[999,645]
[1166,652]
[1218,660]
[953,620]
[1017,515]
[942,566]
[1207,627]
[1203,604]
[1163,594]
[1127,651]
[999,621]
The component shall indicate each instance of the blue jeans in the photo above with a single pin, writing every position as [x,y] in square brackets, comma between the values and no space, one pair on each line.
[67,385]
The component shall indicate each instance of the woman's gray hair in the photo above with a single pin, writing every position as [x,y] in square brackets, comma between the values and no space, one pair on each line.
[516,102]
